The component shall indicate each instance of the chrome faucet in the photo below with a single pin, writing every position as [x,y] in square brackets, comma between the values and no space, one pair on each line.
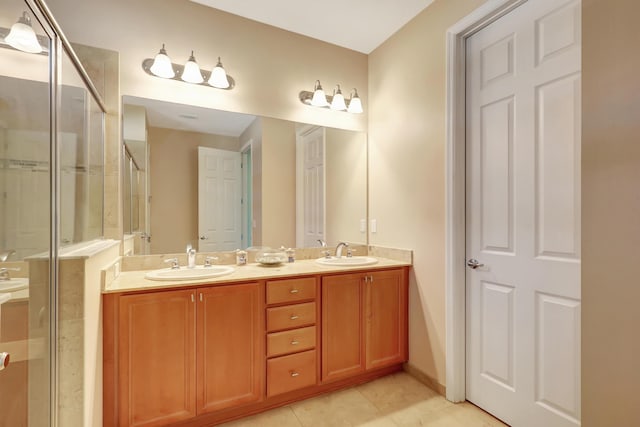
[4,255]
[4,273]
[339,249]
[191,256]
[323,244]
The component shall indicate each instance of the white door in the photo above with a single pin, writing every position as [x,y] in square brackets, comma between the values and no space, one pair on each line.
[219,194]
[523,215]
[311,187]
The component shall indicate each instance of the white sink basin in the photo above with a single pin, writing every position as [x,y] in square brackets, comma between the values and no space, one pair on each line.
[184,273]
[13,285]
[347,261]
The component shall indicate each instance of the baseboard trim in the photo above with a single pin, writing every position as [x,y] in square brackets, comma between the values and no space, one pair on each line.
[425,379]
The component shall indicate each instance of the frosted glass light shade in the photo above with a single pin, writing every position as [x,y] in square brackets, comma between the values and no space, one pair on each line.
[337,103]
[191,72]
[219,77]
[319,98]
[22,36]
[162,66]
[355,104]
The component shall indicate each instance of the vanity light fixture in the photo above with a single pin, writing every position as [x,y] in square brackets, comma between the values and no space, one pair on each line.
[355,104]
[191,72]
[161,66]
[337,102]
[22,37]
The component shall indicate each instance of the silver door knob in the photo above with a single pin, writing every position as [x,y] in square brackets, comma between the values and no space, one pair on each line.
[203,238]
[4,360]
[474,263]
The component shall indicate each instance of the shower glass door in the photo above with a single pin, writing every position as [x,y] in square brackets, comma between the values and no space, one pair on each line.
[25,218]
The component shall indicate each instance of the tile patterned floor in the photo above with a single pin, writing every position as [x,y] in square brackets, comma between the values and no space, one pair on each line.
[395,400]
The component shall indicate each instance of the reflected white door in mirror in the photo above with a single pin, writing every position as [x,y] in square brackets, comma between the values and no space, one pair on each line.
[219,200]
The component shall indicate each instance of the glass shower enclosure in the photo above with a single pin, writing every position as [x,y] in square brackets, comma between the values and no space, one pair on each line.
[51,196]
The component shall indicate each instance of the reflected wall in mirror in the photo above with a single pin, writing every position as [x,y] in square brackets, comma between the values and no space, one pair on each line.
[222,181]
[25,138]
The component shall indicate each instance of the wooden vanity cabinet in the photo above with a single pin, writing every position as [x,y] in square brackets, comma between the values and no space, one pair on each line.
[364,322]
[187,352]
[156,358]
[202,355]
[292,336]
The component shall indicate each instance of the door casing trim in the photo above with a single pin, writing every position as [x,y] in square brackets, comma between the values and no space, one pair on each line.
[455,190]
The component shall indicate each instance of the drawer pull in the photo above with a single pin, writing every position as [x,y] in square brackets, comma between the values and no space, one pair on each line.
[294,291]
[294,342]
[294,374]
[294,317]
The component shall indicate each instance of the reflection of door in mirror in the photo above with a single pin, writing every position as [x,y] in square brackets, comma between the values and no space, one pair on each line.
[310,175]
[247,196]
[219,199]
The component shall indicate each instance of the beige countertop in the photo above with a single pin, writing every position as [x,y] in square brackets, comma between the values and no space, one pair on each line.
[135,280]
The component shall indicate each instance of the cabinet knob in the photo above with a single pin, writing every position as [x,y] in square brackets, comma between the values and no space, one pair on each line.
[294,317]
[294,291]
[294,374]
[4,360]
[294,342]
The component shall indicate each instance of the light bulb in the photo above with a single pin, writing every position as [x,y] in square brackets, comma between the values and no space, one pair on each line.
[219,77]
[337,103]
[355,104]
[191,72]
[162,66]
[22,36]
[319,98]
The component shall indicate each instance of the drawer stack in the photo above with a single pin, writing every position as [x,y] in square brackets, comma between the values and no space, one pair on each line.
[291,334]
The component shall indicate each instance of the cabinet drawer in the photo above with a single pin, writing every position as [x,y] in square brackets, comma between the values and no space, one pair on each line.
[290,290]
[291,316]
[291,341]
[291,372]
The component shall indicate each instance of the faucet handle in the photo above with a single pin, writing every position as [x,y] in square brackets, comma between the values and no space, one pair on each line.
[174,263]
[350,252]
[326,254]
[207,260]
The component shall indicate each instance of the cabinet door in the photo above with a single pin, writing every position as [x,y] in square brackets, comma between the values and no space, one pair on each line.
[342,330]
[157,378]
[386,318]
[230,346]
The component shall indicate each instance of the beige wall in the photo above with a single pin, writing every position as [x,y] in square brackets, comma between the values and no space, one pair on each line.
[278,183]
[346,183]
[270,66]
[407,162]
[253,135]
[610,213]
[173,168]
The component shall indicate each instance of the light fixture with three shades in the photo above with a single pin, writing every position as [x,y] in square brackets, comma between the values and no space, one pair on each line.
[337,101]
[190,72]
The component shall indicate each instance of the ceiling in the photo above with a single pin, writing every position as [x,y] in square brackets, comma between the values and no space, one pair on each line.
[190,118]
[365,24]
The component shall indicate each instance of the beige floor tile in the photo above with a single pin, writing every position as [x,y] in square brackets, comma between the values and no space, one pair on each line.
[339,409]
[393,401]
[279,417]
[401,392]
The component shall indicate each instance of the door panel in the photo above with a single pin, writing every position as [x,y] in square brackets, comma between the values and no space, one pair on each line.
[230,346]
[157,358]
[219,200]
[342,346]
[523,215]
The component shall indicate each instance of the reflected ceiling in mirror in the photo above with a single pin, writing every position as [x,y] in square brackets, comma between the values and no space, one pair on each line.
[221,181]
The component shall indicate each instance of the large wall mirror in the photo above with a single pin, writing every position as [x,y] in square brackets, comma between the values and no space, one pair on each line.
[221,181]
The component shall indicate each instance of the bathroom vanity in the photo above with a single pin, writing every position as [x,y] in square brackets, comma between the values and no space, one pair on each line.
[199,353]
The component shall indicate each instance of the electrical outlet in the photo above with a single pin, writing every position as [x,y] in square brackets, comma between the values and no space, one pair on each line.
[363,225]
[374,225]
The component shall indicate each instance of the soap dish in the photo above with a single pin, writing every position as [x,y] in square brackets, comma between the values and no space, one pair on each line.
[271,257]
